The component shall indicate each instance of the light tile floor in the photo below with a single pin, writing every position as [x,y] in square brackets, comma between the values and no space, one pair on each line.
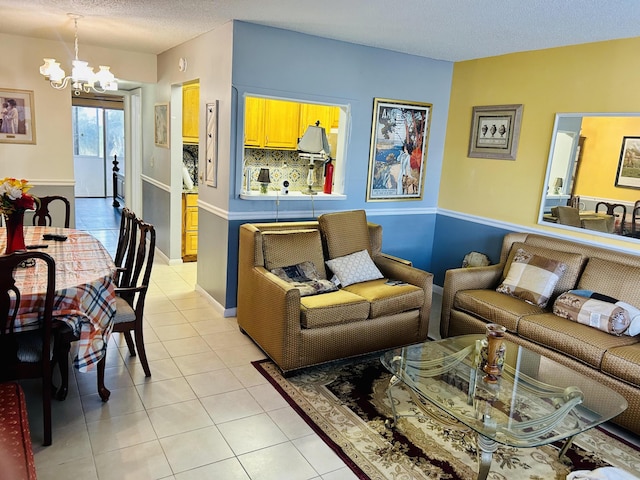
[205,413]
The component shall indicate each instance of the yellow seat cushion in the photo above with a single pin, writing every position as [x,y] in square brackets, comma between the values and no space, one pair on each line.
[388,299]
[332,308]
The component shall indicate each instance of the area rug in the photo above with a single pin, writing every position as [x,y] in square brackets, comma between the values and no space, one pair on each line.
[346,403]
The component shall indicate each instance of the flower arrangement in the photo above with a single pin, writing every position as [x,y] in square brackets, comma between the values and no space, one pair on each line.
[14,196]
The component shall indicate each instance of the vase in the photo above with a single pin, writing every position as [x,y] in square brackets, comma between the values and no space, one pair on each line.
[15,232]
[493,352]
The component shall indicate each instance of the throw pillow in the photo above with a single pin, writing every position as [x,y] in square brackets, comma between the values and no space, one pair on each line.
[634,313]
[305,278]
[532,278]
[354,268]
[604,315]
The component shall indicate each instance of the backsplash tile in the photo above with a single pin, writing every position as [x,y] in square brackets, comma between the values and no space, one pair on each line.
[281,164]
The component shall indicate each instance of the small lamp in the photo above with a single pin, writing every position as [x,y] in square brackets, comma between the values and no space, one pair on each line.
[315,146]
[263,178]
[557,185]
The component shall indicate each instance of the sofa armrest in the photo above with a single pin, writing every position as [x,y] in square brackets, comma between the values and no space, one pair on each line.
[398,270]
[270,314]
[474,278]
[396,259]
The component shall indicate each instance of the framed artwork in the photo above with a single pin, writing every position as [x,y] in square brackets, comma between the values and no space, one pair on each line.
[17,117]
[161,124]
[495,131]
[211,168]
[628,174]
[399,139]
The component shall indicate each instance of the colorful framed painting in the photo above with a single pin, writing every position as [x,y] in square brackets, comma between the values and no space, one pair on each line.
[628,175]
[210,172]
[495,131]
[17,118]
[161,124]
[399,139]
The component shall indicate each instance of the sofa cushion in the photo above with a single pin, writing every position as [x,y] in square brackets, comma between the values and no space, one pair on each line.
[305,278]
[603,315]
[622,363]
[613,279]
[388,299]
[532,277]
[354,268]
[573,261]
[332,308]
[574,339]
[494,307]
[345,232]
[290,247]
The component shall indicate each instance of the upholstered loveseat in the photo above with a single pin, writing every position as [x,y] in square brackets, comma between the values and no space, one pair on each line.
[470,301]
[366,316]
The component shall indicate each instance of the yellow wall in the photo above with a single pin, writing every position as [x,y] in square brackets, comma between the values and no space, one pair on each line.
[596,77]
[601,155]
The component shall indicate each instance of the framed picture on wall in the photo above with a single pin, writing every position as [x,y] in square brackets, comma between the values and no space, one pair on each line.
[161,124]
[399,139]
[628,174]
[495,131]
[211,168]
[17,117]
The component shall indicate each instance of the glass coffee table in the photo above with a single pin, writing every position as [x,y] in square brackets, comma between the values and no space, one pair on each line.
[536,401]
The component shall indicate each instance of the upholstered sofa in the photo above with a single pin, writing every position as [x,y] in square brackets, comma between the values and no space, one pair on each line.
[366,316]
[470,301]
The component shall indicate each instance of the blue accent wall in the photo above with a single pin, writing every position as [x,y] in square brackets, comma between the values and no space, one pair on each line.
[455,237]
[280,63]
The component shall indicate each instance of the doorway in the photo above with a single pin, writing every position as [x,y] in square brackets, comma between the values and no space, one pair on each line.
[98,135]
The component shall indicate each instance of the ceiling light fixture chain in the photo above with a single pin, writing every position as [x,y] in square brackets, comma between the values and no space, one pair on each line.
[82,78]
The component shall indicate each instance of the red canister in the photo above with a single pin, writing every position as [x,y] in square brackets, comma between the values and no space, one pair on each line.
[328,177]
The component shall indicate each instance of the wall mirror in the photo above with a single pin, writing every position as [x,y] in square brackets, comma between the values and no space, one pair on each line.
[594,170]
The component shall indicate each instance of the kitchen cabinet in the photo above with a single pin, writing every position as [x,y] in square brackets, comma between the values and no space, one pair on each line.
[281,121]
[190,112]
[189,227]
[271,124]
[254,122]
[311,113]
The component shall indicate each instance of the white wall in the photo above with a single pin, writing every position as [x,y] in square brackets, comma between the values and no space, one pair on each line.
[50,161]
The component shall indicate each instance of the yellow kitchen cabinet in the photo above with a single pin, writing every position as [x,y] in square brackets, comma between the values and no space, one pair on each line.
[271,124]
[311,113]
[254,122]
[190,112]
[281,121]
[189,227]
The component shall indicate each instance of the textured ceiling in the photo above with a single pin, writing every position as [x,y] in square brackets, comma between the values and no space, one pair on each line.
[443,29]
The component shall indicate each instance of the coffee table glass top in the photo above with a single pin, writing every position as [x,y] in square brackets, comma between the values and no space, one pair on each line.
[536,401]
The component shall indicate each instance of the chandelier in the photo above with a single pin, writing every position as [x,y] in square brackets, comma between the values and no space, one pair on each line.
[82,78]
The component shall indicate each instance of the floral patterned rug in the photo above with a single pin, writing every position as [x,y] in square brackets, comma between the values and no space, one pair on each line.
[346,403]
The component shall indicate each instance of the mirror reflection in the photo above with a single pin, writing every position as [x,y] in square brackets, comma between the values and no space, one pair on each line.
[593,175]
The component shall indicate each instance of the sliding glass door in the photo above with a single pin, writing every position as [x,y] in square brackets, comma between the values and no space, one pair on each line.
[98,135]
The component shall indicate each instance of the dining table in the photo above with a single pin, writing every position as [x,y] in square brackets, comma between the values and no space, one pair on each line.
[85,298]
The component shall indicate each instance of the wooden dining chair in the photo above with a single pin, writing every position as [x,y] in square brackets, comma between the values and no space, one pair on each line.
[27,354]
[635,218]
[130,299]
[42,216]
[618,210]
[132,291]
[126,243]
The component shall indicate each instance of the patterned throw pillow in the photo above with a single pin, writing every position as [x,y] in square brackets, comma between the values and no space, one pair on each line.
[354,268]
[305,278]
[532,278]
[604,315]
